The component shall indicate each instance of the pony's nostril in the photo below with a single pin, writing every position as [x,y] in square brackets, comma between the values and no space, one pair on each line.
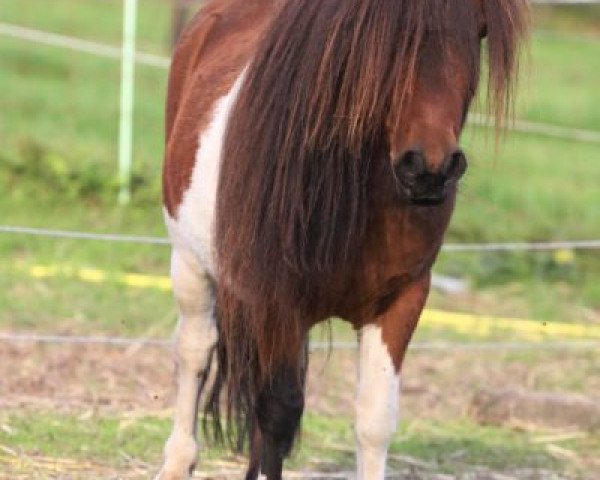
[410,163]
[455,165]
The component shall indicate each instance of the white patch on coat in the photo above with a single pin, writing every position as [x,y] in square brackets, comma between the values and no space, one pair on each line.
[376,404]
[191,233]
[193,227]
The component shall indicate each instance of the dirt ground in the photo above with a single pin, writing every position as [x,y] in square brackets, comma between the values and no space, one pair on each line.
[436,384]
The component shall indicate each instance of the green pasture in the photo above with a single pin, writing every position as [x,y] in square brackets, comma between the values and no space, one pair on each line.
[58,137]
[456,448]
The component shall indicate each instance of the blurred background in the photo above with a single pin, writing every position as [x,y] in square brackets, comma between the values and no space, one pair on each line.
[504,377]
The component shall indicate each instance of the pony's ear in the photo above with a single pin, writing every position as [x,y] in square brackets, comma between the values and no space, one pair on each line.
[481,18]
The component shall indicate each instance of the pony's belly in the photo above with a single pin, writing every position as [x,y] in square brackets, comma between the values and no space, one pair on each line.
[192,228]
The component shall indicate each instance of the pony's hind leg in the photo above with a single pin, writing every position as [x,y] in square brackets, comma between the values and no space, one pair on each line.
[196,335]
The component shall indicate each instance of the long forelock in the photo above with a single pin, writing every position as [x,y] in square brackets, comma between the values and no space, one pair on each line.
[507,24]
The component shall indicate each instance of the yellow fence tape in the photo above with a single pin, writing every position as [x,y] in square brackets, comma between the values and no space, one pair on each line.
[469,324]
[94,275]
[487,326]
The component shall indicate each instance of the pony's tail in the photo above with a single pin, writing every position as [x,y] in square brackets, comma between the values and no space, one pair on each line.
[232,370]
[236,371]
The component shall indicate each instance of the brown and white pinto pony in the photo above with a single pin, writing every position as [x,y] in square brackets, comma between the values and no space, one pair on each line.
[311,170]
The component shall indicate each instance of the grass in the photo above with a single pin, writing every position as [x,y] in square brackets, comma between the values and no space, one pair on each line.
[476,445]
[94,438]
[568,67]
[454,447]
[66,123]
[96,21]
[583,20]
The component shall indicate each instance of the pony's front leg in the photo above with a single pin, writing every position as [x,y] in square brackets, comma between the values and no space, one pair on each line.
[195,336]
[382,346]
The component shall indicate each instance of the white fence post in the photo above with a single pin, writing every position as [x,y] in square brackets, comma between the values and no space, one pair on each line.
[127,96]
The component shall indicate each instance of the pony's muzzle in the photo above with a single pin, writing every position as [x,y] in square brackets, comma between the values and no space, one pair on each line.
[419,184]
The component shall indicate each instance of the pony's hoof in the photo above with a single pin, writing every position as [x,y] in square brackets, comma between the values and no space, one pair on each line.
[181,455]
[167,473]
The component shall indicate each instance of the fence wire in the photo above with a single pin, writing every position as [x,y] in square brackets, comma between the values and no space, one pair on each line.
[67,234]
[449,247]
[314,346]
[79,45]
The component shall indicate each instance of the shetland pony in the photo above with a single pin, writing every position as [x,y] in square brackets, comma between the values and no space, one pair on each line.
[311,170]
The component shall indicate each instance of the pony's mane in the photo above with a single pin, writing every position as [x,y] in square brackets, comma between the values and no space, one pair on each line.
[309,127]
[507,25]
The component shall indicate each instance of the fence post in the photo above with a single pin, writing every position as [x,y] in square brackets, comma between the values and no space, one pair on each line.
[178,17]
[181,12]
[127,96]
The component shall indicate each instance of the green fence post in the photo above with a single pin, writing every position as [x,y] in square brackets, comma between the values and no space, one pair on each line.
[127,96]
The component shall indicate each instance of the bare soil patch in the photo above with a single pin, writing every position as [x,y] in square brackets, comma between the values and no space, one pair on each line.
[140,379]
[435,384]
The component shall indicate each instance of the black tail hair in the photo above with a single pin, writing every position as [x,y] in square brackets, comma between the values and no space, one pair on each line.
[240,405]
[233,426]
